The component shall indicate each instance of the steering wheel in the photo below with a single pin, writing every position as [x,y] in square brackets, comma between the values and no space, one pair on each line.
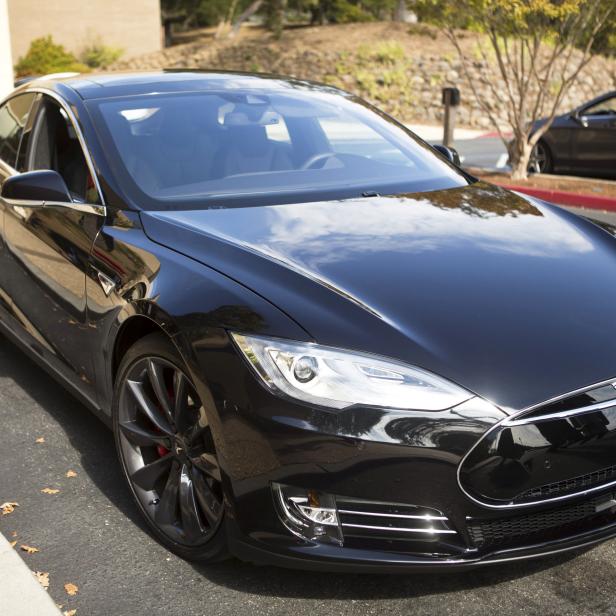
[316,158]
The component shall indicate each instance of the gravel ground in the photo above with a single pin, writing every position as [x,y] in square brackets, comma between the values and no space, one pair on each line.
[89,534]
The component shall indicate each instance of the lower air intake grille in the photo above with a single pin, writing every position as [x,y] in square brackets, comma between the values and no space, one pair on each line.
[567,486]
[397,527]
[545,525]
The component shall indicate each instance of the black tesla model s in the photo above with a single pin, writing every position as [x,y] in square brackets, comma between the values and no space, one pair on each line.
[319,343]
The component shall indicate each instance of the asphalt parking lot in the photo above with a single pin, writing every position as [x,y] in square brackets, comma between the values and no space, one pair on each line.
[89,534]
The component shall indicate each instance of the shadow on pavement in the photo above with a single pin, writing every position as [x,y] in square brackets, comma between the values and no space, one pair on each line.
[94,442]
[87,434]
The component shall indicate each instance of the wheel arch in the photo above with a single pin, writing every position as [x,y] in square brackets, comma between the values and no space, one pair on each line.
[132,329]
[140,319]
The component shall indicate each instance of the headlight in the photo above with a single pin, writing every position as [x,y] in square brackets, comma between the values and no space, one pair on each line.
[338,379]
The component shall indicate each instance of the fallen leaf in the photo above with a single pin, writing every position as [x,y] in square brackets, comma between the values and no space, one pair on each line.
[49,491]
[13,544]
[8,507]
[70,612]
[40,439]
[14,533]
[71,474]
[71,589]
[29,549]
[43,579]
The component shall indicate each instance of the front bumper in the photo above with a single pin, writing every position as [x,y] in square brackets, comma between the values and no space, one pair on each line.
[399,464]
[332,559]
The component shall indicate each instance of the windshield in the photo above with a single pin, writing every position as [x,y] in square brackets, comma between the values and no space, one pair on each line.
[211,149]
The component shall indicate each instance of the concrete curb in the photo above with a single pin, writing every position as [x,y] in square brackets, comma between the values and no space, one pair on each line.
[20,592]
[562,197]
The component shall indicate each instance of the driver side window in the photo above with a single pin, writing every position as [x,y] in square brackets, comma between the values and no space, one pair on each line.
[55,146]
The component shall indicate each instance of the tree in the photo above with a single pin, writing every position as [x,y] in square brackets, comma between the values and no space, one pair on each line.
[200,13]
[400,11]
[274,12]
[252,8]
[531,53]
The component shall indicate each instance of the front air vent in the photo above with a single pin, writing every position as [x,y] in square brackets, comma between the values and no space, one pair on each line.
[557,523]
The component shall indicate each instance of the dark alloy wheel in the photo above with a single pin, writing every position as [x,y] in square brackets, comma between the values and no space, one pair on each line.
[540,159]
[167,450]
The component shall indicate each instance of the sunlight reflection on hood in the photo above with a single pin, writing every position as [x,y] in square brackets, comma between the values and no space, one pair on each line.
[330,232]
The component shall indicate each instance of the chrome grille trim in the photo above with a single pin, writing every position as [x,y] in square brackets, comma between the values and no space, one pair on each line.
[427,517]
[560,414]
[394,529]
[569,394]
[397,522]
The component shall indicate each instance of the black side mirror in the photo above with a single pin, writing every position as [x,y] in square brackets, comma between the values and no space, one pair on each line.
[577,116]
[41,186]
[451,154]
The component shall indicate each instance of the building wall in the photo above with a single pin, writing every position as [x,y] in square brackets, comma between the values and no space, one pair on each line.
[133,25]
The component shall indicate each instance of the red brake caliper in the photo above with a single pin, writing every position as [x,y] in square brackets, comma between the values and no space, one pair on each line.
[163,451]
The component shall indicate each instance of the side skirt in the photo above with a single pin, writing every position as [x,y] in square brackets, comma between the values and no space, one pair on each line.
[57,376]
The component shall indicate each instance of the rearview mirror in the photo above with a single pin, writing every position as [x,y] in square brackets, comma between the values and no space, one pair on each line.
[451,154]
[40,186]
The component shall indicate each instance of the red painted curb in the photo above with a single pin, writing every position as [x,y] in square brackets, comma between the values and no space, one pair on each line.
[495,135]
[567,198]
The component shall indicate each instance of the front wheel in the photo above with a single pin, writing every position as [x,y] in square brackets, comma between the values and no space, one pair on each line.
[540,159]
[167,452]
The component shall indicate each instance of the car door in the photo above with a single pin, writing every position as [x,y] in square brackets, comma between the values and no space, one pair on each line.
[48,247]
[594,145]
[13,118]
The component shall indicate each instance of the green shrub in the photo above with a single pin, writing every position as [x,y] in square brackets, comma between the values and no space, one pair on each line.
[97,55]
[367,82]
[45,57]
[385,52]
[344,12]
[395,77]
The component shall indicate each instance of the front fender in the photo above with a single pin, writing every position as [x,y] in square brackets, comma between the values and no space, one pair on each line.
[191,303]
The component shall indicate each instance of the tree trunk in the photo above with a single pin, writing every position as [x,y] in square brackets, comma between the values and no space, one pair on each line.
[400,12]
[275,16]
[519,157]
[249,12]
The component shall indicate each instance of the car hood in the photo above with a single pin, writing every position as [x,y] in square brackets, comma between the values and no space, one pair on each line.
[511,298]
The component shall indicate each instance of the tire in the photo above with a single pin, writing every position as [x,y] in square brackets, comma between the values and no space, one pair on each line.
[167,452]
[541,160]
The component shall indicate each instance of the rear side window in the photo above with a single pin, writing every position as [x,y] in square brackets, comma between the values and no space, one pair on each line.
[13,117]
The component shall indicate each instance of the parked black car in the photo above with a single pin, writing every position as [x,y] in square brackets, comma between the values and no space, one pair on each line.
[580,142]
[319,343]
